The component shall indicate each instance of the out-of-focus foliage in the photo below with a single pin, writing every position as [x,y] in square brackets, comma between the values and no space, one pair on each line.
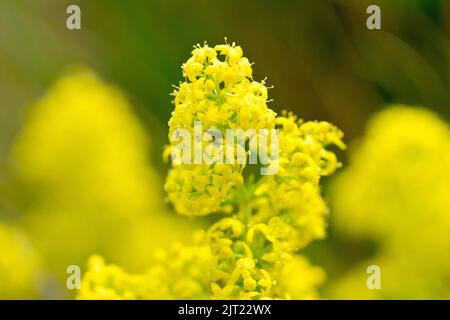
[251,253]
[324,61]
[82,158]
[19,265]
[396,193]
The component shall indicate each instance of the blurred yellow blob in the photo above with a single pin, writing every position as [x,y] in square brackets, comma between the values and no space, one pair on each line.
[83,158]
[19,265]
[396,192]
[300,280]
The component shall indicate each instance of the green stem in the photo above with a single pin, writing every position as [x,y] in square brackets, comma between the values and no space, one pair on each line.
[244,198]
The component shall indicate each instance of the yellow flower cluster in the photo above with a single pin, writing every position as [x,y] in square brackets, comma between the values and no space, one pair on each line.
[220,93]
[178,273]
[82,157]
[293,195]
[19,265]
[395,192]
[253,249]
[183,272]
[299,280]
[277,215]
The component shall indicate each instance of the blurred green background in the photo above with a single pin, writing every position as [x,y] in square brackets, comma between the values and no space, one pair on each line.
[321,59]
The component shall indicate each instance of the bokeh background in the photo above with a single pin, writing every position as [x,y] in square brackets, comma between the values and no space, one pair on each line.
[321,59]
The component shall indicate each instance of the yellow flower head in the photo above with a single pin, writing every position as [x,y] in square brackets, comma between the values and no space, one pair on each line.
[220,93]
[293,194]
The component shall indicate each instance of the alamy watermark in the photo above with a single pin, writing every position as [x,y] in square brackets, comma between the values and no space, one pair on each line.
[374,20]
[374,280]
[73,281]
[263,147]
[73,21]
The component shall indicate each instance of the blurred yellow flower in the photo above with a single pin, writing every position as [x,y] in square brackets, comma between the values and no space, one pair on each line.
[396,193]
[299,280]
[19,265]
[178,273]
[83,157]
